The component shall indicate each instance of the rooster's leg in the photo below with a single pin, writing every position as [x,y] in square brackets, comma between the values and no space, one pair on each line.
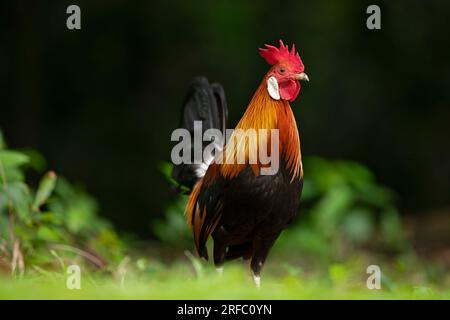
[220,237]
[219,255]
[261,248]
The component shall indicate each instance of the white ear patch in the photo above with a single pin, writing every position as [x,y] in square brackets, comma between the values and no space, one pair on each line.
[272,87]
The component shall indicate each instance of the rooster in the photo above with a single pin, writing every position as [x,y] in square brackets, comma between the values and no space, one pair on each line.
[243,210]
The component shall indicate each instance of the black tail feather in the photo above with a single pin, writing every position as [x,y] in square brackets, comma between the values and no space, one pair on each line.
[204,102]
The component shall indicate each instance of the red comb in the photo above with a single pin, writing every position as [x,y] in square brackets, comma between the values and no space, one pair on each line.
[273,55]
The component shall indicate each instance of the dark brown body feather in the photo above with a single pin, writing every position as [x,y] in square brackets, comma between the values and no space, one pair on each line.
[255,209]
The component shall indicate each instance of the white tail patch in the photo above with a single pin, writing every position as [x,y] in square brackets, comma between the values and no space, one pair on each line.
[272,88]
[208,158]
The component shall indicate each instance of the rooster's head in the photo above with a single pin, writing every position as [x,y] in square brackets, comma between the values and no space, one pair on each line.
[283,78]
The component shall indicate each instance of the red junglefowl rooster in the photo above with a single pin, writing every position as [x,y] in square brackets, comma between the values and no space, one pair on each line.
[243,210]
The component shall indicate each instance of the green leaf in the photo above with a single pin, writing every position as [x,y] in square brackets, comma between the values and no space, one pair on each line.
[355,173]
[46,187]
[80,215]
[14,174]
[49,217]
[323,173]
[173,229]
[36,159]
[166,169]
[309,191]
[12,158]
[19,194]
[331,207]
[48,234]
[308,239]
[391,227]
[358,225]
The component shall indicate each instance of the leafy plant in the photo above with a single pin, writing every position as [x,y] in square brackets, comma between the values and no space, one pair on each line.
[343,207]
[172,229]
[51,225]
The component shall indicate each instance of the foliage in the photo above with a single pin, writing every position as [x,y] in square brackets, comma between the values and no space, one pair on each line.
[53,224]
[343,207]
[172,229]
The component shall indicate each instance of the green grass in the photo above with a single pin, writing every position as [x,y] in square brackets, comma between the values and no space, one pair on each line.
[184,281]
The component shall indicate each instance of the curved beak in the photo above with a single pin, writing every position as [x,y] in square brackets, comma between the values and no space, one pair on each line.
[301,76]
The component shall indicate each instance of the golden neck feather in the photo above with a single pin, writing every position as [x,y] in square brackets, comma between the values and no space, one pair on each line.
[264,112]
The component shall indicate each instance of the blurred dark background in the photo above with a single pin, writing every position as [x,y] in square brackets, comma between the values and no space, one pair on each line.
[100,103]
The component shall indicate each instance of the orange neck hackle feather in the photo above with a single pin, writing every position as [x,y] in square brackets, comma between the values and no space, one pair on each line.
[264,112]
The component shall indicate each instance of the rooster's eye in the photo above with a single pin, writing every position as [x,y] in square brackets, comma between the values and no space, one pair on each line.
[282,70]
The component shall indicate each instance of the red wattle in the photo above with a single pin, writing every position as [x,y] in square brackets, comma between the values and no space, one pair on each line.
[289,90]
